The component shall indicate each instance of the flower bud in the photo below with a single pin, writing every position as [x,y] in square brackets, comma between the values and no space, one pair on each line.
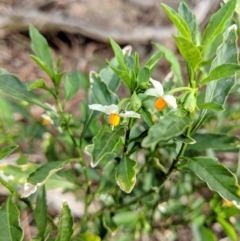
[190,102]
[144,86]
[135,102]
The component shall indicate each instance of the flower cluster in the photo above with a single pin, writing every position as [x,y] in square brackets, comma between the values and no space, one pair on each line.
[163,100]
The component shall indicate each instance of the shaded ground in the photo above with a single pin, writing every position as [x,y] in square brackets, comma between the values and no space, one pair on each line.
[78,30]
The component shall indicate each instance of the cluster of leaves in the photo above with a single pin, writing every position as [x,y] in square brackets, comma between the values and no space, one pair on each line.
[136,162]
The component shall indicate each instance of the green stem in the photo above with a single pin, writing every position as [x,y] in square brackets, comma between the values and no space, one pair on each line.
[192,78]
[84,166]
[130,123]
[122,102]
[178,89]
[9,187]
[59,104]
[81,160]
[85,127]
[199,121]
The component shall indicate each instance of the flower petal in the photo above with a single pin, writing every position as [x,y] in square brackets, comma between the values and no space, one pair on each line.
[130,114]
[171,101]
[157,86]
[111,109]
[127,50]
[151,92]
[97,107]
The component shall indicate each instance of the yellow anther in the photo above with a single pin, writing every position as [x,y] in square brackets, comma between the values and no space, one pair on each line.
[160,104]
[114,119]
[46,122]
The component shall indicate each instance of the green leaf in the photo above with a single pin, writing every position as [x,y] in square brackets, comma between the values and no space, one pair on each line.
[57,78]
[129,60]
[40,48]
[126,174]
[109,77]
[72,84]
[42,65]
[213,106]
[65,224]
[185,139]
[88,237]
[10,228]
[105,142]
[6,112]
[217,23]
[5,151]
[201,233]
[137,62]
[190,19]
[221,71]
[55,181]
[169,127]
[89,114]
[109,224]
[41,175]
[173,60]
[217,176]
[123,74]
[143,76]
[237,8]
[100,91]
[189,51]
[146,116]
[38,84]
[127,218]
[228,229]
[178,21]
[152,62]
[217,91]
[19,173]
[40,213]
[118,53]
[107,180]
[213,141]
[13,87]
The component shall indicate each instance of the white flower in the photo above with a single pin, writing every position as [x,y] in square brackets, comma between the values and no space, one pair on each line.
[127,50]
[49,116]
[113,112]
[47,120]
[163,100]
